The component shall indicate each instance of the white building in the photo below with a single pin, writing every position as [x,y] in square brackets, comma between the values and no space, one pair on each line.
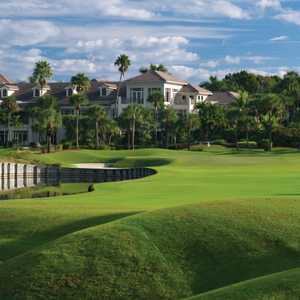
[179,94]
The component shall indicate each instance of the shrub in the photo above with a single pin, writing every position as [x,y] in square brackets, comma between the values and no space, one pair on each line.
[249,144]
[91,188]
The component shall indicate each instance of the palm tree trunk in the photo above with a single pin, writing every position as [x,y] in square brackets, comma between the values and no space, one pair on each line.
[8,131]
[77,128]
[48,142]
[156,129]
[133,134]
[97,135]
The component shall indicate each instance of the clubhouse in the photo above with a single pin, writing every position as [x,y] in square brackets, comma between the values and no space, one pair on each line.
[179,94]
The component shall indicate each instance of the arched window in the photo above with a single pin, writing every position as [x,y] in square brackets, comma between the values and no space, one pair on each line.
[4,93]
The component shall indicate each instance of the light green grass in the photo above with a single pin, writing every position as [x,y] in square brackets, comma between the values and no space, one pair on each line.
[247,210]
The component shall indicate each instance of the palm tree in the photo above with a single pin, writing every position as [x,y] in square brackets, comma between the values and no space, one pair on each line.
[154,67]
[233,116]
[81,82]
[132,114]
[123,63]
[8,108]
[112,130]
[271,112]
[46,117]
[191,122]
[41,74]
[157,100]
[241,106]
[169,119]
[77,101]
[99,116]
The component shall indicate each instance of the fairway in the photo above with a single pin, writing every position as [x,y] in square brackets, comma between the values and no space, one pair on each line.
[228,217]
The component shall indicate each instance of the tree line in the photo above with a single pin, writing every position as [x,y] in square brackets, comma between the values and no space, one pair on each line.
[267,111]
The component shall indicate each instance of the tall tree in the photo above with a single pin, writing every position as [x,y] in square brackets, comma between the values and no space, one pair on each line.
[123,63]
[8,110]
[153,67]
[46,117]
[271,112]
[241,106]
[131,115]
[211,118]
[169,120]
[157,100]
[81,82]
[99,117]
[41,74]
[191,123]
[78,100]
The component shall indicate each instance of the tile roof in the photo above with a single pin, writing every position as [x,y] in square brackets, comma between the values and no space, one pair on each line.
[58,90]
[189,88]
[4,80]
[156,76]
[222,98]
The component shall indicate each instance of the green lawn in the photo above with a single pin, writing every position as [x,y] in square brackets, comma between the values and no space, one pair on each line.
[206,221]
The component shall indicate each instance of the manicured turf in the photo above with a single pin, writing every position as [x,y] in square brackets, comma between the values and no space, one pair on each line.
[237,219]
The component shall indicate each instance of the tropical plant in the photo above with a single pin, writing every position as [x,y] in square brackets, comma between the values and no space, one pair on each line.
[271,112]
[41,74]
[46,117]
[81,82]
[99,117]
[169,120]
[123,63]
[154,67]
[77,101]
[191,123]
[8,113]
[211,118]
[130,116]
[157,100]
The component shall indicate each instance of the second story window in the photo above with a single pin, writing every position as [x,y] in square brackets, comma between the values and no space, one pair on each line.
[4,93]
[69,92]
[168,95]
[103,92]
[137,95]
[36,93]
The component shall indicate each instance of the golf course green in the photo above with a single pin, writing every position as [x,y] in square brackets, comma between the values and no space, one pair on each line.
[212,224]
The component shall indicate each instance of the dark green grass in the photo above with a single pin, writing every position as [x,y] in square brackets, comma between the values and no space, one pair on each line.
[243,223]
[169,254]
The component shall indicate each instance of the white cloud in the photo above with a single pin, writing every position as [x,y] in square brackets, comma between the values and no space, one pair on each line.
[274,4]
[279,38]
[291,16]
[233,60]
[26,33]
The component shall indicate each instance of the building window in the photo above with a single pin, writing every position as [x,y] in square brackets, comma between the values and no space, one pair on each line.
[168,95]
[183,97]
[36,93]
[137,95]
[69,92]
[152,91]
[4,93]
[175,91]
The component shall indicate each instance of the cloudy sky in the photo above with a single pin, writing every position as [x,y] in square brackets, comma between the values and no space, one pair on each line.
[194,38]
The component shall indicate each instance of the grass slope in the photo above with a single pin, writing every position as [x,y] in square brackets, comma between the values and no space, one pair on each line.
[242,224]
[279,286]
[203,247]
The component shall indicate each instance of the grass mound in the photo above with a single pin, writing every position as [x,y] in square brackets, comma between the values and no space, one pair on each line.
[279,286]
[168,254]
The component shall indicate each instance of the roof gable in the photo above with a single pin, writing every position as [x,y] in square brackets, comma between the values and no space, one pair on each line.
[156,76]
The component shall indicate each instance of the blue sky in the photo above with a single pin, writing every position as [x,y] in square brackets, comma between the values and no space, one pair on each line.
[194,38]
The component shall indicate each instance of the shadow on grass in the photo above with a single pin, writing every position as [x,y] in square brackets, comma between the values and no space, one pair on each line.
[18,247]
[142,162]
[260,152]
